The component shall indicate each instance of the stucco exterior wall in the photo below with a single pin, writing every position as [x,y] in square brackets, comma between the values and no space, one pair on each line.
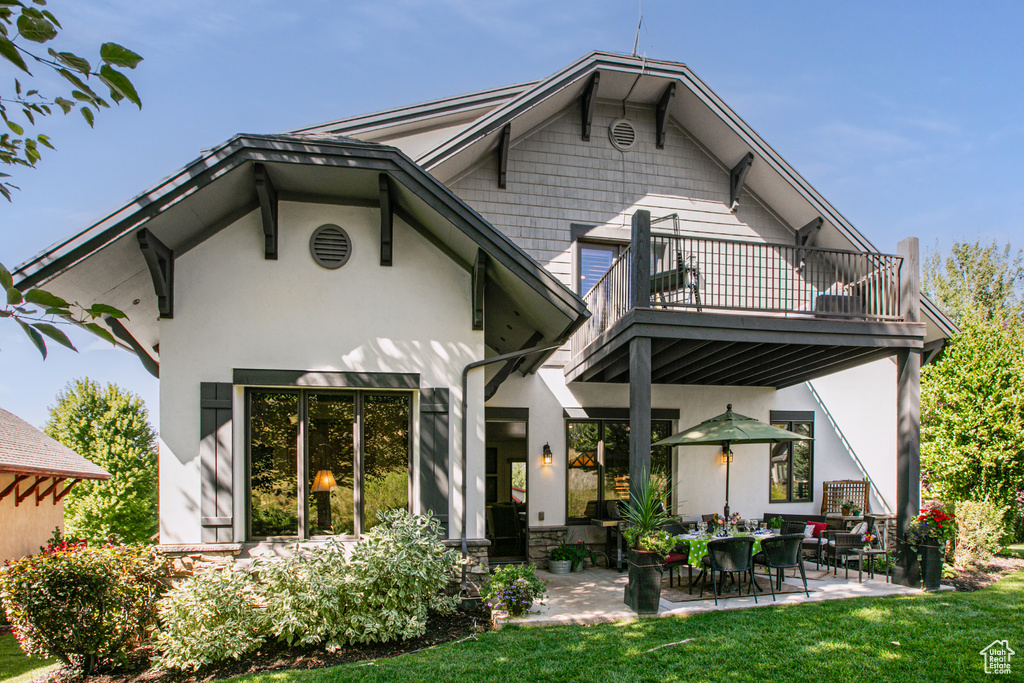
[869,426]
[26,527]
[234,309]
[556,179]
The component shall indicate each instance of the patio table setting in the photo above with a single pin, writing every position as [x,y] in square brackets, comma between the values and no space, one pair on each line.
[698,542]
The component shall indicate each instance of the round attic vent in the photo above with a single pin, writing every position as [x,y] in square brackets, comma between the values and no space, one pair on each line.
[330,246]
[622,134]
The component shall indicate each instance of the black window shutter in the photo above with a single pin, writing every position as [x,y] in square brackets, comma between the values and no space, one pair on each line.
[434,453]
[215,461]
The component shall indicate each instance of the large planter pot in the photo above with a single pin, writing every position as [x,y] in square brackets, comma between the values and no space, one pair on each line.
[643,592]
[559,566]
[931,566]
[580,566]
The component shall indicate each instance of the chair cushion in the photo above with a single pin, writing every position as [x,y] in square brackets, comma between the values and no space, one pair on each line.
[809,530]
[818,528]
[676,557]
[860,528]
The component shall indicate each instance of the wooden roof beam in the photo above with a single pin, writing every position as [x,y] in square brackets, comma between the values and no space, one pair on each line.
[160,259]
[661,114]
[737,179]
[267,195]
[587,105]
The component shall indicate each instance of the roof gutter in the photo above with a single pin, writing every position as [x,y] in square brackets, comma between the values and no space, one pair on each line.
[465,431]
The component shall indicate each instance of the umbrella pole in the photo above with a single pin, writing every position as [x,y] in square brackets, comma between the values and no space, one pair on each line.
[728,465]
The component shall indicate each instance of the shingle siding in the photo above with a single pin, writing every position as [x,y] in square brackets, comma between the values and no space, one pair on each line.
[556,179]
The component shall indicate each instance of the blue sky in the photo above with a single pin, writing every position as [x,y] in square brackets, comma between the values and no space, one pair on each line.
[906,116]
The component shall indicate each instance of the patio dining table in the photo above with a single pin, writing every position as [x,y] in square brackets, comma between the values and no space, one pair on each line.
[699,544]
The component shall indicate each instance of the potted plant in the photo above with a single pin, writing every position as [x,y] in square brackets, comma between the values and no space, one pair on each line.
[928,535]
[644,516]
[514,588]
[775,524]
[560,560]
[845,507]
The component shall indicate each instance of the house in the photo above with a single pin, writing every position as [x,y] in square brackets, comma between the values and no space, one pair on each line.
[36,473]
[443,304]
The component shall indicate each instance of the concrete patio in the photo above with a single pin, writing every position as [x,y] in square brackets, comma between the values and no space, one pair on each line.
[595,595]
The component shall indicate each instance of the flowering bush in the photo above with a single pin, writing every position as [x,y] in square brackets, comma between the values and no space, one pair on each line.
[82,604]
[932,527]
[514,588]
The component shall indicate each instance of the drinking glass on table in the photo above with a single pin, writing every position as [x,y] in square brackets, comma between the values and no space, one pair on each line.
[702,527]
[754,524]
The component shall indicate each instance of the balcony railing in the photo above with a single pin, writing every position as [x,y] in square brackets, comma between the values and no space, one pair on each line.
[702,274]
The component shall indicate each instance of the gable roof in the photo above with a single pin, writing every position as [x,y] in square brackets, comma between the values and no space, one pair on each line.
[695,108]
[104,260]
[26,450]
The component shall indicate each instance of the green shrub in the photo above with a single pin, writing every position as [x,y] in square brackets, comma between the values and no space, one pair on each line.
[307,597]
[514,588]
[979,531]
[207,618]
[382,591]
[399,571]
[82,604]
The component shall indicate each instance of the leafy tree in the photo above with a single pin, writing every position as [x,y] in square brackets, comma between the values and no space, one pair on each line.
[976,279]
[972,414]
[22,28]
[109,427]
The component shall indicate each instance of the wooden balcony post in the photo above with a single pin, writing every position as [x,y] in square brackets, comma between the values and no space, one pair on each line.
[639,413]
[908,410]
[640,267]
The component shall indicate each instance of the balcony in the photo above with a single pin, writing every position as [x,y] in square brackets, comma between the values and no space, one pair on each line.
[747,313]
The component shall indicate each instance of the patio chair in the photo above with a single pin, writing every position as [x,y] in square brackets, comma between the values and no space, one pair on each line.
[779,553]
[813,545]
[679,558]
[840,543]
[732,556]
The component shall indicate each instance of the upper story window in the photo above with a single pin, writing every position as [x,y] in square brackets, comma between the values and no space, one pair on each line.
[594,259]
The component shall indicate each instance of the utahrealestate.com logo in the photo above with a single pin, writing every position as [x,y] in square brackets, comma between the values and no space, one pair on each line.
[997,657]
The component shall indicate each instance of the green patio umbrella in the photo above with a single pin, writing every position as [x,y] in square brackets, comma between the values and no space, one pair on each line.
[727,429]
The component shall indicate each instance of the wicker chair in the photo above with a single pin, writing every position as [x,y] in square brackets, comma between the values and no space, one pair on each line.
[732,555]
[782,552]
[840,543]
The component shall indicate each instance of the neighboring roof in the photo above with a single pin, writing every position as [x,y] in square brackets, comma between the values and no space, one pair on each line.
[26,450]
[695,107]
[218,188]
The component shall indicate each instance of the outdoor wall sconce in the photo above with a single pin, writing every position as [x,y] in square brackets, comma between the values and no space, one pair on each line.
[547,454]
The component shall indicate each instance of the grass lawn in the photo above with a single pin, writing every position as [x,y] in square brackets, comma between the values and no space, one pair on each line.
[1017,550]
[15,667]
[928,638]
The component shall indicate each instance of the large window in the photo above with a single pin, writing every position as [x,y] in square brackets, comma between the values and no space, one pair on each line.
[598,465]
[791,467]
[324,463]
